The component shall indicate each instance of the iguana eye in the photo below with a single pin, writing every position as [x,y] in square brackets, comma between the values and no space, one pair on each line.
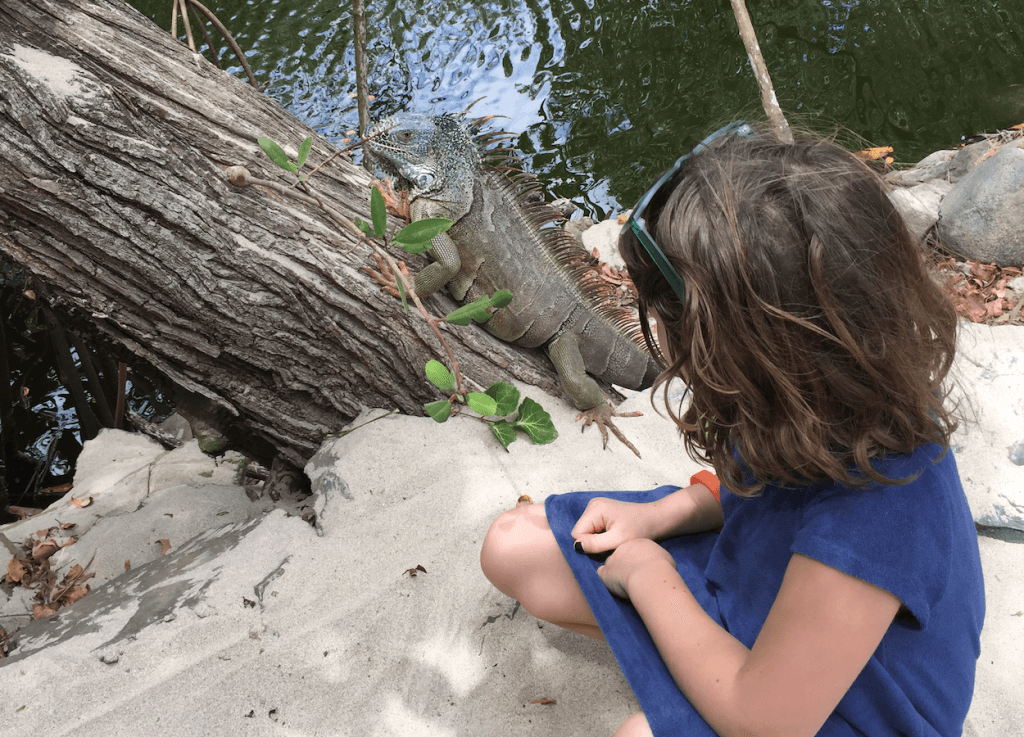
[404,136]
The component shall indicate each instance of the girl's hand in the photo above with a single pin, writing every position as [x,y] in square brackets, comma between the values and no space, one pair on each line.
[607,523]
[631,556]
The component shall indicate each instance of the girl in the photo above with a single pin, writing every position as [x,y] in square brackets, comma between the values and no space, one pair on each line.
[832,586]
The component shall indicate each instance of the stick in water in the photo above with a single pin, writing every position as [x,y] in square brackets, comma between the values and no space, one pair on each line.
[764,81]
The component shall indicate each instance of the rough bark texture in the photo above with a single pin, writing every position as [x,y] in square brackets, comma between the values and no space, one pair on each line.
[114,140]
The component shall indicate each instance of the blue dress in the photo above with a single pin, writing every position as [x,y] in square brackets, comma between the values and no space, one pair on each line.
[916,540]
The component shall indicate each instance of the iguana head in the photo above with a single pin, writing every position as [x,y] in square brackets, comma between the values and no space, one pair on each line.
[434,153]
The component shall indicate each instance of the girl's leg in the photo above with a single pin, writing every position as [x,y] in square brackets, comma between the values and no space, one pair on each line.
[635,726]
[521,558]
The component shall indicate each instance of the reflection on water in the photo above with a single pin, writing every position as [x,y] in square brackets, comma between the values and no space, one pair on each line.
[607,93]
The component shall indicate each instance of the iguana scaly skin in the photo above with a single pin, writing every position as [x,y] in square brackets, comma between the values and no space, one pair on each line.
[498,241]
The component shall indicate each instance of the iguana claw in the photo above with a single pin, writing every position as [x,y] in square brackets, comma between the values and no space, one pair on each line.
[397,203]
[386,277]
[601,415]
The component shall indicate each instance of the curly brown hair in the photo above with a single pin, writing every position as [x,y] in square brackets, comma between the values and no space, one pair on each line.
[812,336]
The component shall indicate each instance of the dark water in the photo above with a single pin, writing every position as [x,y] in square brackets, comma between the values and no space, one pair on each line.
[607,94]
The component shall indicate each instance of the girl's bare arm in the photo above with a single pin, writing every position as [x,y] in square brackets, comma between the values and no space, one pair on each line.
[820,633]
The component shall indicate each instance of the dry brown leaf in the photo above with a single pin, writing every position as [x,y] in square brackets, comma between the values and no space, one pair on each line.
[544,701]
[165,545]
[873,154]
[44,549]
[39,611]
[15,571]
[127,565]
[42,533]
[524,500]
[70,541]
[73,594]
[67,525]
[81,503]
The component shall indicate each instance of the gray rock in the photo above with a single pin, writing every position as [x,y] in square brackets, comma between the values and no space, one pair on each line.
[565,206]
[605,238]
[967,159]
[576,228]
[983,216]
[177,427]
[932,166]
[1017,453]
[919,205]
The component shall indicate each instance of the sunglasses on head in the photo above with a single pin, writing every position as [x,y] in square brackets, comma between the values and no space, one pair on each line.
[636,222]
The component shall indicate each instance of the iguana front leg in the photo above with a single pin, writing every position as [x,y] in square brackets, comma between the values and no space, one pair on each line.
[564,352]
[445,266]
[446,260]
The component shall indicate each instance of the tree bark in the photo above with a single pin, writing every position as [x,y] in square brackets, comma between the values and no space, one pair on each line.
[114,141]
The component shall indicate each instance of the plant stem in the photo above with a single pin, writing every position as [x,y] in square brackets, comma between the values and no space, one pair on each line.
[433,322]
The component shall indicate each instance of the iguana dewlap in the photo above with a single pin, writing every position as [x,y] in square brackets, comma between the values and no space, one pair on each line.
[498,241]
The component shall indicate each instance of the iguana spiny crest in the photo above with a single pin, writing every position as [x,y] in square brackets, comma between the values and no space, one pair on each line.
[502,239]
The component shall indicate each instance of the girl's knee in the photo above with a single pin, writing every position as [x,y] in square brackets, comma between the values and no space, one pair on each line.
[635,726]
[510,542]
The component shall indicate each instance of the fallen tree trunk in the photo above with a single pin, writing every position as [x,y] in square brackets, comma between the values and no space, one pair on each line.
[114,141]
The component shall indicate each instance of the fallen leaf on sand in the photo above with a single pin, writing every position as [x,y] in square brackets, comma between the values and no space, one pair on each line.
[127,565]
[74,594]
[165,545]
[39,611]
[44,549]
[80,503]
[544,701]
[15,571]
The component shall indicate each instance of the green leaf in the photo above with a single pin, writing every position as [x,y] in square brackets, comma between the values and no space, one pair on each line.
[501,298]
[535,422]
[504,432]
[422,231]
[304,150]
[475,310]
[439,375]
[415,247]
[506,396]
[364,226]
[440,411]
[276,154]
[482,404]
[378,212]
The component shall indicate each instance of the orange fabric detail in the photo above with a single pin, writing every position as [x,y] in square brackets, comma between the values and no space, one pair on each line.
[708,479]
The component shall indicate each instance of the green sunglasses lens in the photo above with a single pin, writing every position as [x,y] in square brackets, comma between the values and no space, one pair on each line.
[636,221]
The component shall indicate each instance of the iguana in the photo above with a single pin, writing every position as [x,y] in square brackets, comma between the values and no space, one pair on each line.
[499,241]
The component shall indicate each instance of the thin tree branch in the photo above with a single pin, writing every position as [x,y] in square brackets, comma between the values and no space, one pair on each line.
[764,81]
